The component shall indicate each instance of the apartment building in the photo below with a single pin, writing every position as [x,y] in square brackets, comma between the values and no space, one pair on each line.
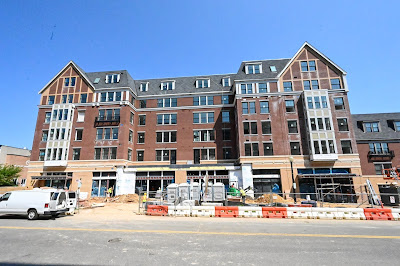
[272,122]
[18,157]
[378,143]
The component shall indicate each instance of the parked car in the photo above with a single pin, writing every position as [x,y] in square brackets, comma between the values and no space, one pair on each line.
[34,202]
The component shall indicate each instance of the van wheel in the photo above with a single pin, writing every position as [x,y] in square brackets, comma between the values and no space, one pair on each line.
[32,214]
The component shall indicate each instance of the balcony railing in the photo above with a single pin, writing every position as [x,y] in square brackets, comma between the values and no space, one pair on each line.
[389,154]
[106,121]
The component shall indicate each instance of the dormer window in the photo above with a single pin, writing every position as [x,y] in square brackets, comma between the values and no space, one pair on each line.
[112,78]
[272,68]
[253,69]
[202,83]
[226,82]
[69,82]
[144,86]
[396,125]
[371,126]
[167,85]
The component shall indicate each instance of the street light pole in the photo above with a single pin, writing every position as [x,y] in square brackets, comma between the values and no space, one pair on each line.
[291,159]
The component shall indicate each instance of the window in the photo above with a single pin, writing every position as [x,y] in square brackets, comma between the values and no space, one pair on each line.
[346,147]
[253,69]
[110,96]
[379,148]
[315,85]
[204,154]
[203,100]
[306,85]
[371,126]
[140,137]
[264,107]
[45,134]
[304,66]
[317,102]
[69,82]
[166,119]
[70,98]
[131,118]
[262,88]
[292,126]
[107,133]
[64,99]
[226,82]
[290,106]
[272,68]
[327,124]
[342,124]
[139,156]
[81,116]
[324,102]
[166,136]
[380,166]
[203,135]
[202,83]
[83,98]
[42,153]
[266,127]
[246,88]
[335,84]
[167,102]
[251,149]
[78,134]
[105,153]
[339,104]
[129,155]
[166,155]
[225,99]
[225,116]
[51,100]
[142,103]
[248,107]
[144,86]
[227,152]
[295,148]
[112,78]
[396,125]
[287,86]
[167,85]
[226,134]
[109,114]
[76,154]
[142,120]
[103,97]
[47,117]
[311,65]
[203,118]
[249,128]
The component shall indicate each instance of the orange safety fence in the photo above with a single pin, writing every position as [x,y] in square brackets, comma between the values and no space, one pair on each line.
[274,212]
[224,211]
[378,214]
[157,210]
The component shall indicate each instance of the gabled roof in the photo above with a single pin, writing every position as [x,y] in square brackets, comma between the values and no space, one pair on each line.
[315,50]
[78,69]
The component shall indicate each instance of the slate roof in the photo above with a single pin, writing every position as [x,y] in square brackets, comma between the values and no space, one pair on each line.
[266,71]
[125,79]
[385,120]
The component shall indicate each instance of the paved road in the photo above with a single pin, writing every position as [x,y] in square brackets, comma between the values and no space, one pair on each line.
[190,241]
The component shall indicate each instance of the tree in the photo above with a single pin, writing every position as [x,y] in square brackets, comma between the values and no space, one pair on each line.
[8,173]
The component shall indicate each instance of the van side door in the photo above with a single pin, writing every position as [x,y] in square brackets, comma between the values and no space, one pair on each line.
[4,202]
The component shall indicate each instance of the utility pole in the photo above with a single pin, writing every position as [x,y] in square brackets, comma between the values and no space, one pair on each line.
[291,159]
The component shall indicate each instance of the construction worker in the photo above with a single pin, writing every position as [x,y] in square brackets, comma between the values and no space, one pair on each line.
[110,191]
[144,198]
[243,194]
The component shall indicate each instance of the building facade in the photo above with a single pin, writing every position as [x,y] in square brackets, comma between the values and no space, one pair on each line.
[378,143]
[18,157]
[246,128]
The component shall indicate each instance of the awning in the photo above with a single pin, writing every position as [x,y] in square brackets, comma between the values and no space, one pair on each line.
[209,177]
[154,177]
[327,176]
[47,177]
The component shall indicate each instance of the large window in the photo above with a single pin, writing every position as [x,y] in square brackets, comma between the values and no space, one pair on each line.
[203,118]
[262,88]
[50,100]
[251,149]
[292,126]
[225,117]
[107,133]
[142,120]
[289,104]
[203,100]
[308,66]
[109,114]
[140,137]
[166,136]
[346,147]
[287,86]
[105,153]
[342,124]
[83,98]
[69,82]
[371,126]
[379,167]
[306,85]
[248,107]
[167,102]
[249,128]
[246,89]
[110,96]
[202,83]
[379,148]
[295,148]
[166,155]
[76,154]
[203,154]
[264,107]
[253,69]
[166,119]
[203,135]
[266,127]
[335,84]
[339,104]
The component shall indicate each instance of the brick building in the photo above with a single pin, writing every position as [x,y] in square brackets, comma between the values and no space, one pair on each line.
[18,157]
[378,143]
[246,128]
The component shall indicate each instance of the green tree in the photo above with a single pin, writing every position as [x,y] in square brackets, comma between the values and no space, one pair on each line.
[8,173]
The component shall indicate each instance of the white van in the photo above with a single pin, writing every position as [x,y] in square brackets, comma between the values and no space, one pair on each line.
[34,202]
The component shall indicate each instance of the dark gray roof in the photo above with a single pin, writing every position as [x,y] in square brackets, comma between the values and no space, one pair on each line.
[266,71]
[387,130]
[125,79]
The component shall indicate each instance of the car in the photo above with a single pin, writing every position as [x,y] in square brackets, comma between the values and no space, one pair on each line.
[35,203]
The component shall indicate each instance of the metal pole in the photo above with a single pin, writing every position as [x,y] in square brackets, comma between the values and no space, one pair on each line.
[294,184]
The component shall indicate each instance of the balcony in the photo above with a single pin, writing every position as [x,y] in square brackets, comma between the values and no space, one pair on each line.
[380,156]
[102,121]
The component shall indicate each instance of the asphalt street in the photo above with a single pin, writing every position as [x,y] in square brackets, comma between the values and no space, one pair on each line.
[193,241]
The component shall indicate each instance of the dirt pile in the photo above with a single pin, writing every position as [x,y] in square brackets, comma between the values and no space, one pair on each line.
[128,198]
[270,198]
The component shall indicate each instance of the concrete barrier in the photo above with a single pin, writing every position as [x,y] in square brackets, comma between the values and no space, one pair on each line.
[299,213]
[203,211]
[250,212]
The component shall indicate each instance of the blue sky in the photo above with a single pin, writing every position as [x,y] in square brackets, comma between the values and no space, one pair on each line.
[155,39]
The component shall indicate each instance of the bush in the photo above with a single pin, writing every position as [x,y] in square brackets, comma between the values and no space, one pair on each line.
[8,173]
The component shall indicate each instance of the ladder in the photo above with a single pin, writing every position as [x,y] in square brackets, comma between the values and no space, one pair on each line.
[374,197]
